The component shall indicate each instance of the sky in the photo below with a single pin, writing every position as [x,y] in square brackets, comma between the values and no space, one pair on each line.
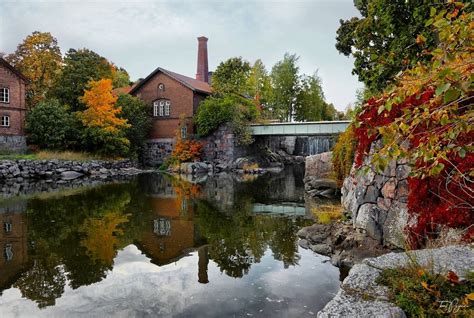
[141,35]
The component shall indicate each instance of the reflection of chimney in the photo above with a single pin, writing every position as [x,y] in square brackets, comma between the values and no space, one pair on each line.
[202,73]
[202,264]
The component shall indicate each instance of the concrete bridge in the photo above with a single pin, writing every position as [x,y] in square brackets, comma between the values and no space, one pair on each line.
[313,128]
[300,139]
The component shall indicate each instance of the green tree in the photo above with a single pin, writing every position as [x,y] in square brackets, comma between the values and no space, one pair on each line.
[311,105]
[231,76]
[120,77]
[51,125]
[134,110]
[39,58]
[81,66]
[382,40]
[259,85]
[286,86]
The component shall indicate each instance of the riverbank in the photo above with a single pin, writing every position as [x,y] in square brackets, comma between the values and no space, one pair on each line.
[23,176]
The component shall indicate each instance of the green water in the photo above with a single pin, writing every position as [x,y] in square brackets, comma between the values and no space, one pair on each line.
[166,247]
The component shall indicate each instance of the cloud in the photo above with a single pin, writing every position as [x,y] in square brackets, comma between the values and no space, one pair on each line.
[141,35]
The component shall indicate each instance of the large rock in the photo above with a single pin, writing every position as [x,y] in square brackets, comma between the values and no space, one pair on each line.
[361,296]
[70,175]
[319,166]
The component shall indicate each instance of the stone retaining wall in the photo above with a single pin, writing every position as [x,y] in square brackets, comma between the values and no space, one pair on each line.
[16,144]
[377,202]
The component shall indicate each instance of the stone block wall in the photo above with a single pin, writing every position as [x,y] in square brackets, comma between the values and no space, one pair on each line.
[15,144]
[220,146]
[377,202]
[155,151]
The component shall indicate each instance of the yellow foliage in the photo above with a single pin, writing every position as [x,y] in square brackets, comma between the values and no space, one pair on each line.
[101,111]
[343,154]
[327,213]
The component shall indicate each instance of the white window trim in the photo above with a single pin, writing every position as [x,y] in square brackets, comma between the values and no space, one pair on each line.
[155,109]
[167,108]
[161,108]
[5,121]
[184,132]
[6,95]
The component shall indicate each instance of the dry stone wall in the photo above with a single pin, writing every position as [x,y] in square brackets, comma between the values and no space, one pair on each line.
[377,202]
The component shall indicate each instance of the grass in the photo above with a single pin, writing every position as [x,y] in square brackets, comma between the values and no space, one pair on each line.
[328,213]
[49,155]
[421,293]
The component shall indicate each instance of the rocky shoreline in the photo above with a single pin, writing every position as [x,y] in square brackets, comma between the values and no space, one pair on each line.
[19,177]
[340,242]
[361,296]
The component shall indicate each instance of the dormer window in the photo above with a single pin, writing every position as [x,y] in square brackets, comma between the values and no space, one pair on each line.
[161,108]
[4,95]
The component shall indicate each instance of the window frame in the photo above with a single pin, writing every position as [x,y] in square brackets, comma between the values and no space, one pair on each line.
[184,132]
[5,91]
[162,108]
[7,121]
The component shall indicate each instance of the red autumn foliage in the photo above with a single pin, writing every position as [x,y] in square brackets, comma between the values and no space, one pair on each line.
[434,201]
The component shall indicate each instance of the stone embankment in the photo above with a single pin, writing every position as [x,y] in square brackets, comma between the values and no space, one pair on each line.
[24,176]
[361,296]
[377,201]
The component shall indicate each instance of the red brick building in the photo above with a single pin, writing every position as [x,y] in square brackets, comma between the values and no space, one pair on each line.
[171,97]
[12,108]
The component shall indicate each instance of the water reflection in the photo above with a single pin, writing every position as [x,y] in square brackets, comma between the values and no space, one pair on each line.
[55,245]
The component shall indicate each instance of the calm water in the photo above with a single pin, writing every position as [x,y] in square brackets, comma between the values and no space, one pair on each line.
[159,246]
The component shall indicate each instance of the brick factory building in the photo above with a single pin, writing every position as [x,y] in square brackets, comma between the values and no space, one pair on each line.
[174,100]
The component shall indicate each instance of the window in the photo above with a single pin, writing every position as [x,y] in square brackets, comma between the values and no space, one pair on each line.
[5,121]
[162,226]
[161,87]
[184,132]
[8,252]
[7,226]
[4,95]
[161,108]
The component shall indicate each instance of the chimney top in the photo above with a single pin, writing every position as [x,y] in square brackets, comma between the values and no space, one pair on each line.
[202,73]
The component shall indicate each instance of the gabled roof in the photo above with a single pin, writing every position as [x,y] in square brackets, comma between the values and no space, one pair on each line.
[122,90]
[13,70]
[191,83]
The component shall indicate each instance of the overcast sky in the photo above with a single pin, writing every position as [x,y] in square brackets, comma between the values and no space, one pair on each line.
[141,35]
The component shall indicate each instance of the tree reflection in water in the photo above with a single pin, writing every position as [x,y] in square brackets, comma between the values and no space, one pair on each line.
[74,237]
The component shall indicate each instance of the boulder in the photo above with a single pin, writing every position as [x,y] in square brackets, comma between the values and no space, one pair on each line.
[319,166]
[70,175]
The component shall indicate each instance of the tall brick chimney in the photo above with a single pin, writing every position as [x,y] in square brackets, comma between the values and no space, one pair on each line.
[202,73]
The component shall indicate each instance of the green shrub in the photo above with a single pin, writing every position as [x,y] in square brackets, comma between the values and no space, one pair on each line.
[51,125]
[105,143]
[219,109]
[343,154]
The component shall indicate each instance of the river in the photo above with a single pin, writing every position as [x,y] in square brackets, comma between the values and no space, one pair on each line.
[158,246]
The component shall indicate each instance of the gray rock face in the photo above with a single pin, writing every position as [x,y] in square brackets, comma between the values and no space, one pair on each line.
[319,166]
[361,283]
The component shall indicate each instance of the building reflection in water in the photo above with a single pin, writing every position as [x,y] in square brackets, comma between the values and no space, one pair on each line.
[13,241]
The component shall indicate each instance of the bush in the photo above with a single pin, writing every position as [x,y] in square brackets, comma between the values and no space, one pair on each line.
[343,154]
[186,150]
[134,110]
[51,125]
[237,110]
[104,142]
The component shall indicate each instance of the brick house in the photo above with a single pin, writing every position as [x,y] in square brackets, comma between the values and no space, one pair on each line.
[12,108]
[171,97]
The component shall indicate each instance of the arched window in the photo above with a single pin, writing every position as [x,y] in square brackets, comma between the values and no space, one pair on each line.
[4,95]
[161,108]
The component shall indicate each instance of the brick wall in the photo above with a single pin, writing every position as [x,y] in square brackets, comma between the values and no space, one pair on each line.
[13,138]
[16,108]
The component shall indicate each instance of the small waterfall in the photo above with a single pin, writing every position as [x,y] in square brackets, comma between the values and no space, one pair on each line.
[319,144]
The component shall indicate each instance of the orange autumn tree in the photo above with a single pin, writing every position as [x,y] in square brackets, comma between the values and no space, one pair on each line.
[104,130]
